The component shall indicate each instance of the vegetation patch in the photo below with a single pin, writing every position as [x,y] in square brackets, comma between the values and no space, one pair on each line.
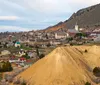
[5,66]
[85,51]
[96,71]
[87,83]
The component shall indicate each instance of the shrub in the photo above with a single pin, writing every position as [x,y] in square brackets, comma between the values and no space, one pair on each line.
[23,83]
[85,51]
[6,67]
[48,45]
[96,71]
[87,83]
[71,44]
[41,56]
[70,39]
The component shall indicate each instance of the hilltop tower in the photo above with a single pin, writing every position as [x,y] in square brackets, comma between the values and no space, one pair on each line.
[76,27]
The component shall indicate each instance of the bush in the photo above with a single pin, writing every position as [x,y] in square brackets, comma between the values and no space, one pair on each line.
[23,83]
[96,71]
[70,39]
[87,83]
[48,45]
[41,56]
[71,44]
[85,51]
[6,67]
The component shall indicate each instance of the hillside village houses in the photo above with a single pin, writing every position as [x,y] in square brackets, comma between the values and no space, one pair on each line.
[17,57]
[53,38]
[72,32]
[21,61]
[43,38]
[66,34]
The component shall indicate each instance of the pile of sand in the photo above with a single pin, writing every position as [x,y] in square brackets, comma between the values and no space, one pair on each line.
[94,50]
[93,56]
[63,66]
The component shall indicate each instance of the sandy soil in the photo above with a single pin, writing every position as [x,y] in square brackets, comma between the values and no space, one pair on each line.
[92,56]
[64,66]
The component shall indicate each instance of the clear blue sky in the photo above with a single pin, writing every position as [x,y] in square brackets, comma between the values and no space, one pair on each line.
[24,15]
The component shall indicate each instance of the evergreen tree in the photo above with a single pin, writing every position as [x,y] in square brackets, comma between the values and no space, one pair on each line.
[4,67]
[8,66]
[37,50]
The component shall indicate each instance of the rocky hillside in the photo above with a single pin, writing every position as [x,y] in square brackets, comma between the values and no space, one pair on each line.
[85,18]
[56,27]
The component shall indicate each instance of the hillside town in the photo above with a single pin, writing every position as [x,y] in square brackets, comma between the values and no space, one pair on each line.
[54,38]
[67,53]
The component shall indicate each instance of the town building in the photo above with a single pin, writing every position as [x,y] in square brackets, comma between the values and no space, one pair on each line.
[61,35]
[17,44]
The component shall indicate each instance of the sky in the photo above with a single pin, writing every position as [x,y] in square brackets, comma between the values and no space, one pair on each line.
[26,15]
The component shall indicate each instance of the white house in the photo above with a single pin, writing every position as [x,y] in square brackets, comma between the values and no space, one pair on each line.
[97,38]
[13,60]
[61,35]
[55,42]
[5,52]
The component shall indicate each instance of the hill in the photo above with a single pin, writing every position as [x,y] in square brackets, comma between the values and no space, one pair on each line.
[56,27]
[63,66]
[85,18]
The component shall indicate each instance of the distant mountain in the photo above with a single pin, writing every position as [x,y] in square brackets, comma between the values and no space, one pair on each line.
[85,18]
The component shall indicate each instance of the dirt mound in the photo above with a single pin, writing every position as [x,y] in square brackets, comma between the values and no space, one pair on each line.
[63,66]
[95,49]
[93,56]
